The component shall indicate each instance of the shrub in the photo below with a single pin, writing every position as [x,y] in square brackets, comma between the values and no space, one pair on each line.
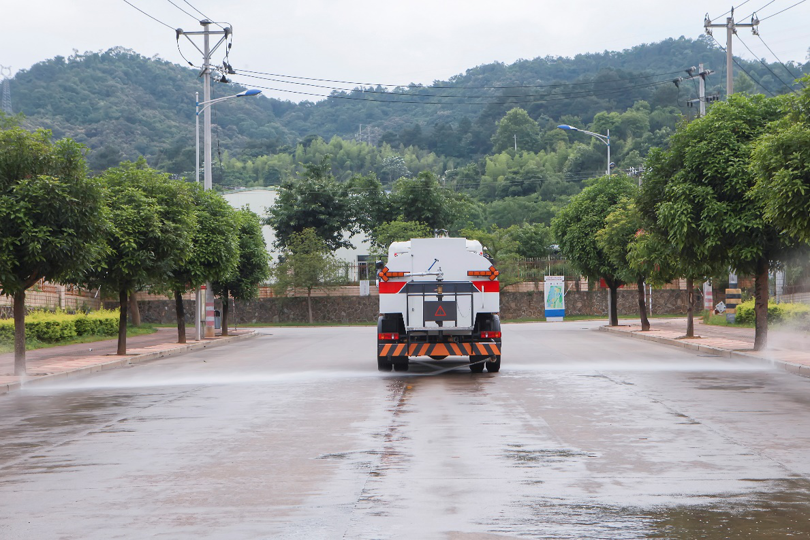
[103,322]
[777,313]
[52,327]
[6,330]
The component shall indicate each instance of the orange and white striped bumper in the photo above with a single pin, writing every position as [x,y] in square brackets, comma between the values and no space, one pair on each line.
[439,349]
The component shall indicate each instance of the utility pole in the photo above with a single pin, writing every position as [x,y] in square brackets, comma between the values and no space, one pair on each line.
[702,97]
[515,142]
[207,51]
[5,72]
[731,29]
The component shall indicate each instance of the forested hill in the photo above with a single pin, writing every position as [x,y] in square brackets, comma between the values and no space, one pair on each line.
[123,105]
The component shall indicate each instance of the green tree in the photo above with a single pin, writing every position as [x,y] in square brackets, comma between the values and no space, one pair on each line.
[516,125]
[214,254]
[307,263]
[51,218]
[423,200]
[622,226]
[699,195]
[533,240]
[396,231]
[252,268]
[370,204]
[150,236]
[576,228]
[314,201]
[781,164]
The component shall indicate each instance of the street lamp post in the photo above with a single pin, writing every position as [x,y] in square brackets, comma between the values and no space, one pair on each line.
[200,107]
[604,138]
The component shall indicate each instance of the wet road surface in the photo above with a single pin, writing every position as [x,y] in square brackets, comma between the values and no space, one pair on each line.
[582,434]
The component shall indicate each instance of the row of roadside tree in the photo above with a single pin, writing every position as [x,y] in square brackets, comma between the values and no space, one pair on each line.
[730,191]
[126,230]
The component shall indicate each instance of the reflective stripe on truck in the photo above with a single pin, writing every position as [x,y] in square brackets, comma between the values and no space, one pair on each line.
[439,349]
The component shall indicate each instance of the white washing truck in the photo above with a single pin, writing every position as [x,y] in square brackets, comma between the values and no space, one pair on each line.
[439,297]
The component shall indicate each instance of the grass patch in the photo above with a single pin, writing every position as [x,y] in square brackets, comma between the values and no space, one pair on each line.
[720,320]
[33,344]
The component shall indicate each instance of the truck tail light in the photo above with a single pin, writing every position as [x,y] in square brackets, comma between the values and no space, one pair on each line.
[490,335]
[389,336]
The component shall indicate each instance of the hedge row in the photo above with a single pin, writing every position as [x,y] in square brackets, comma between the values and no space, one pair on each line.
[52,327]
[776,313]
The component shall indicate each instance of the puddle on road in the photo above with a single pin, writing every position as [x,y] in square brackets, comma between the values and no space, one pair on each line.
[778,510]
[638,367]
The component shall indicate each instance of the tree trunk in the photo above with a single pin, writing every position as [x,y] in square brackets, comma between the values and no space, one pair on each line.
[309,304]
[690,308]
[225,306]
[642,306]
[613,289]
[134,311]
[761,305]
[19,333]
[122,322]
[180,311]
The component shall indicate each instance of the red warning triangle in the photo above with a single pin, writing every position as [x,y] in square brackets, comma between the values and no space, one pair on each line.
[440,312]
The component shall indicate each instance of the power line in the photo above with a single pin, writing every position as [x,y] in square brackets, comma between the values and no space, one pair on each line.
[201,13]
[766,66]
[570,94]
[742,68]
[760,9]
[787,8]
[557,97]
[411,85]
[731,10]
[780,61]
[150,16]
[181,9]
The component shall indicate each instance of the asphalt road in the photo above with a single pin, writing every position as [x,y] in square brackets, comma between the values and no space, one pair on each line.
[582,434]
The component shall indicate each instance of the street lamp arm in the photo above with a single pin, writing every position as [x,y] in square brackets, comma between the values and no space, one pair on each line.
[604,138]
[202,105]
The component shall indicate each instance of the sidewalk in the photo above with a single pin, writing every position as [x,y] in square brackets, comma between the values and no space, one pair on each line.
[787,349]
[69,360]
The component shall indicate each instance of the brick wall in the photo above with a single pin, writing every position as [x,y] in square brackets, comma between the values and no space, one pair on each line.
[360,309]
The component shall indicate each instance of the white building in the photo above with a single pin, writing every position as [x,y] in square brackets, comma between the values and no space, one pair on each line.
[259,200]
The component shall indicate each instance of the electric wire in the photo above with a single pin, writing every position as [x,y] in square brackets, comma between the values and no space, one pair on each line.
[782,11]
[181,9]
[780,61]
[364,91]
[201,13]
[411,85]
[150,16]
[729,11]
[422,102]
[767,67]
[760,9]
[742,68]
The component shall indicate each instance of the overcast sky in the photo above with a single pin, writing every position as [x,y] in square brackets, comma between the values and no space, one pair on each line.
[388,42]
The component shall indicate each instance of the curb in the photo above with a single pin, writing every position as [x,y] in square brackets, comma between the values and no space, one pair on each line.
[796,369]
[128,360]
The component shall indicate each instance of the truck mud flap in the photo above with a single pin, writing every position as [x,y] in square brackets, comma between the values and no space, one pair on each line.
[440,349]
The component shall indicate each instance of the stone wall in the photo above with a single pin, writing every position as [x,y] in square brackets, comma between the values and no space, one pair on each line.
[364,309]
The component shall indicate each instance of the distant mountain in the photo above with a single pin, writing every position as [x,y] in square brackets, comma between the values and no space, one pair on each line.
[123,105]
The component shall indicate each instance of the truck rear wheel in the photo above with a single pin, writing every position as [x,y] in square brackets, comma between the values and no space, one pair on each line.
[477,364]
[383,364]
[494,366]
